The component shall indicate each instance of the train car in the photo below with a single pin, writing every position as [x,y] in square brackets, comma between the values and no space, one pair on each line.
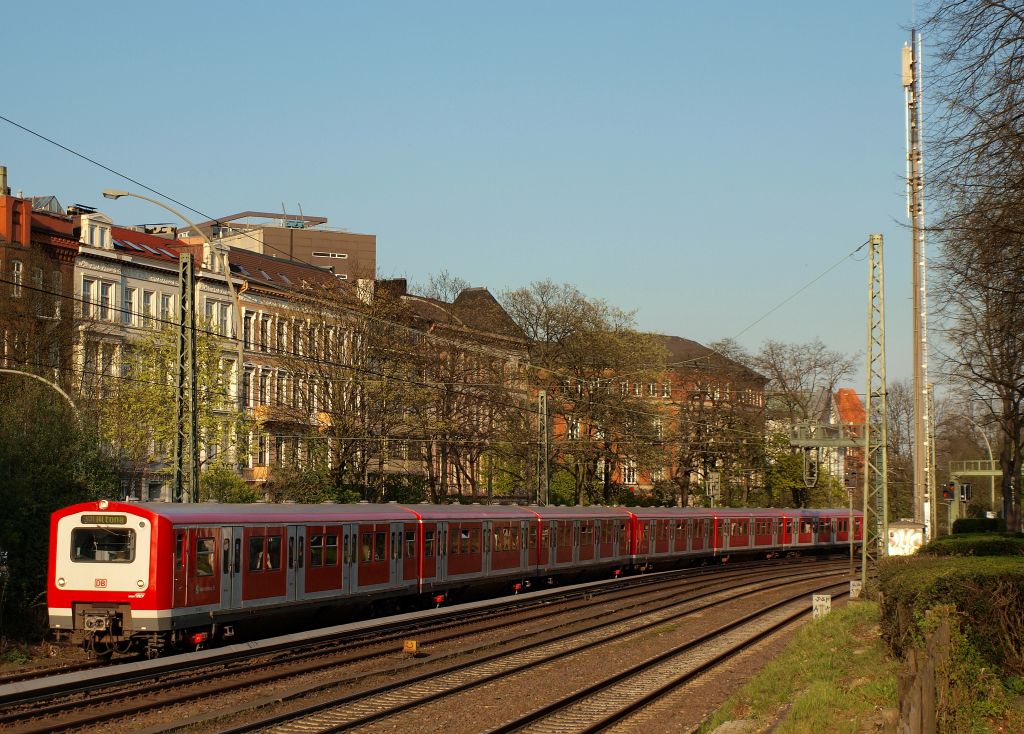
[148,576]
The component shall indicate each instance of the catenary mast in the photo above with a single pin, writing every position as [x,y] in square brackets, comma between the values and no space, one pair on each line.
[923,468]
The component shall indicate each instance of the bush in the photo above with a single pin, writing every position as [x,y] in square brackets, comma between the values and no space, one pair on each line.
[987,594]
[220,482]
[1005,544]
[979,525]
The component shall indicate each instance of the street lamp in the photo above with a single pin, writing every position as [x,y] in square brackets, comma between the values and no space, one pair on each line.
[209,252]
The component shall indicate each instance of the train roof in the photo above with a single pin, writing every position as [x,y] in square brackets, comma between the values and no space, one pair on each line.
[217,513]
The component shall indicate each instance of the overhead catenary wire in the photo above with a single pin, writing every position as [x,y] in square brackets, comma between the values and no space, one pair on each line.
[213,220]
[432,384]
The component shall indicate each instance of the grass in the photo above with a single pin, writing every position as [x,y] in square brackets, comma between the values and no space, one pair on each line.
[834,676]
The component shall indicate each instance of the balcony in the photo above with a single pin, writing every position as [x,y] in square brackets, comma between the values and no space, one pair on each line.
[256,474]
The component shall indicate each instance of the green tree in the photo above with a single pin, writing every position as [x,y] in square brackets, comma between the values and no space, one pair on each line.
[48,460]
[222,483]
[137,418]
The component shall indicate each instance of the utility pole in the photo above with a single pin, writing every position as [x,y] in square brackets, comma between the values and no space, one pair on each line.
[542,458]
[923,467]
[186,400]
[876,463]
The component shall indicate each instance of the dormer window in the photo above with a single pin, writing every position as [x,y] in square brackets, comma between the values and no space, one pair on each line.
[96,231]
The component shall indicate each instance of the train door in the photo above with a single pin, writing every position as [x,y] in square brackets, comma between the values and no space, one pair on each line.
[296,560]
[231,567]
[486,547]
[442,551]
[431,550]
[397,553]
[180,567]
[201,559]
[349,553]
[525,532]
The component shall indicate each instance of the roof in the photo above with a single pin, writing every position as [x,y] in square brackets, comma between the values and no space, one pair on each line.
[213,512]
[480,310]
[474,308]
[275,272]
[849,406]
[140,244]
[686,354]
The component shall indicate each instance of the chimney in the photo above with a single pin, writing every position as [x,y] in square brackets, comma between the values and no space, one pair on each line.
[4,188]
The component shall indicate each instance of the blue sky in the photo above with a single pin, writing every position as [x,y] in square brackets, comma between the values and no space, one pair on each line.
[696,162]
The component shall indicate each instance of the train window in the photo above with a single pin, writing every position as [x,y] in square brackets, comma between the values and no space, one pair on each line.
[410,543]
[179,551]
[205,549]
[226,561]
[367,549]
[531,538]
[316,551]
[273,553]
[474,540]
[256,553]
[544,536]
[380,541]
[428,544]
[331,550]
[102,545]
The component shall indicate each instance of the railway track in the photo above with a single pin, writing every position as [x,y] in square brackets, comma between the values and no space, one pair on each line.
[364,708]
[566,593]
[92,705]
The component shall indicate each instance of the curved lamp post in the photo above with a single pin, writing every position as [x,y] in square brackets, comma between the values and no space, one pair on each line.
[214,250]
[54,385]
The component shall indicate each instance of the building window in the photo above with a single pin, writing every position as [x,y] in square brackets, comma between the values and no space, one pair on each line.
[16,278]
[147,308]
[87,286]
[658,429]
[106,296]
[92,234]
[636,388]
[263,459]
[666,389]
[573,429]
[165,307]
[629,472]
[652,389]
[264,388]
[264,333]
[128,307]
[624,388]
[58,290]
[247,331]
[246,386]
[223,319]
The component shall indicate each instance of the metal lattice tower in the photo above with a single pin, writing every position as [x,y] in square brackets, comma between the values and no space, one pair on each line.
[876,464]
[186,437]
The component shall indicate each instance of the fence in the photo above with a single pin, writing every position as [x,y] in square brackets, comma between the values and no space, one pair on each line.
[919,681]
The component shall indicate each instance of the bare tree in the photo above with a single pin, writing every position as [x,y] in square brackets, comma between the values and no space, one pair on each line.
[442,286]
[801,377]
[977,175]
[582,347]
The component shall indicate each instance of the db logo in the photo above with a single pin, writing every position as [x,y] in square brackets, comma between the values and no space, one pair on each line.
[100,583]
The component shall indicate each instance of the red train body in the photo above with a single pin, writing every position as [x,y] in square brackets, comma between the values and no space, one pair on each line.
[132,576]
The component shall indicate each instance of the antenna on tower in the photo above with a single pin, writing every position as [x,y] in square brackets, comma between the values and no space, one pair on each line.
[923,465]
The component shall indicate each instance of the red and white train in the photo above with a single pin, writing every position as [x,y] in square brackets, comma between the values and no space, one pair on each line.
[150,576]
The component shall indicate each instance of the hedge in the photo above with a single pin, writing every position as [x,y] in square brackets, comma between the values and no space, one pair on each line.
[988,544]
[987,593]
[979,525]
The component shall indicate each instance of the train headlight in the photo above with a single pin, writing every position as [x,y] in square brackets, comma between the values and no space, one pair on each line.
[140,583]
[61,582]
[104,504]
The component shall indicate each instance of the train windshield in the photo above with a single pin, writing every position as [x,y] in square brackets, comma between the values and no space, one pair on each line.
[102,545]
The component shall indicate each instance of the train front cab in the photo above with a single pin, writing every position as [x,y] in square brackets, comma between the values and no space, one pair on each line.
[102,570]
